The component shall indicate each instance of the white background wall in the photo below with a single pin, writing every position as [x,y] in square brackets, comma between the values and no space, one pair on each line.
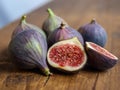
[11,10]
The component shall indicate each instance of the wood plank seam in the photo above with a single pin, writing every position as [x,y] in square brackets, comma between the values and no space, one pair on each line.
[46,81]
[95,83]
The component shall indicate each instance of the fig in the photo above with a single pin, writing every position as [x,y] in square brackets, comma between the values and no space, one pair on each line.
[62,33]
[29,49]
[99,58]
[23,25]
[93,32]
[52,22]
[67,55]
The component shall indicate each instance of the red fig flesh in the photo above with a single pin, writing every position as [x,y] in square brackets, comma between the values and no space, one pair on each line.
[99,58]
[67,55]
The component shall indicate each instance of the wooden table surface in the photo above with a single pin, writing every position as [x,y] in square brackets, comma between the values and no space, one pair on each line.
[76,13]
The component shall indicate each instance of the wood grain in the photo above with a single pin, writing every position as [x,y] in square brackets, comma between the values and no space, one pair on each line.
[76,13]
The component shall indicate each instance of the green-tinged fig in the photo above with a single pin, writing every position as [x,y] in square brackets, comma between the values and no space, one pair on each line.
[62,33]
[29,49]
[93,32]
[52,22]
[23,25]
[99,58]
[67,55]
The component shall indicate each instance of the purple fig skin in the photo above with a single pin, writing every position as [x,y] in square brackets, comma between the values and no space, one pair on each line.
[52,22]
[93,32]
[23,25]
[30,49]
[62,33]
[99,61]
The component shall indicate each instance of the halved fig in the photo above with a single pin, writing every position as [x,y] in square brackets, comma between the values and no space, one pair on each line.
[99,58]
[67,55]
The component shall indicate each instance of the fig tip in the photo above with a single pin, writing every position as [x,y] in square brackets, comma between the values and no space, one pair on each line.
[93,20]
[23,18]
[62,25]
[51,13]
[47,72]
[48,9]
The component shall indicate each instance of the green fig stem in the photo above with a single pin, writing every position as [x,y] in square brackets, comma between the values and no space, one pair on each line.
[23,19]
[62,25]
[47,72]
[51,13]
[93,21]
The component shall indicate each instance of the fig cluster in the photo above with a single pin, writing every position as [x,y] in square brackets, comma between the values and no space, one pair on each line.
[59,46]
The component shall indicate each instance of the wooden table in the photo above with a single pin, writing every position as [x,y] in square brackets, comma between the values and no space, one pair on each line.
[76,13]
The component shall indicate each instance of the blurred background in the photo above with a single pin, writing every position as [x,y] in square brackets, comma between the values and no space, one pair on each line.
[12,10]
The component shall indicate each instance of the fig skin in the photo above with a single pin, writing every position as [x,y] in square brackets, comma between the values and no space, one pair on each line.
[52,22]
[93,32]
[67,68]
[29,49]
[23,25]
[98,60]
[62,33]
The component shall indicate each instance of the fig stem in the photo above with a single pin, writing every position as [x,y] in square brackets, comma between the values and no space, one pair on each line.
[93,21]
[51,13]
[23,19]
[62,25]
[47,72]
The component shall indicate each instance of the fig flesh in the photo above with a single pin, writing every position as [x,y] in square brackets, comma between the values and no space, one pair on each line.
[93,32]
[99,58]
[62,33]
[29,49]
[67,55]
[23,25]
[52,22]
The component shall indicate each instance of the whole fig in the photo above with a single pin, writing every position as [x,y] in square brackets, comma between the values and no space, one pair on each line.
[29,49]
[93,32]
[62,33]
[99,58]
[23,25]
[52,22]
[67,55]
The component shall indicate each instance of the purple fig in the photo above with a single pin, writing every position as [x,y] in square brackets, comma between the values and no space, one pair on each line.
[99,58]
[67,55]
[52,22]
[29,48]
[62,33]
[93,32]
[23,25]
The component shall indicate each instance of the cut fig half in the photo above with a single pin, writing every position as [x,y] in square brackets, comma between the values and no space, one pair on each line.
[100,58]
[67,55]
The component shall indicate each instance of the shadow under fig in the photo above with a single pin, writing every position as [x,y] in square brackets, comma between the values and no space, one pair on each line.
[5,61]
[64,73]
[88,68]
[7,65]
